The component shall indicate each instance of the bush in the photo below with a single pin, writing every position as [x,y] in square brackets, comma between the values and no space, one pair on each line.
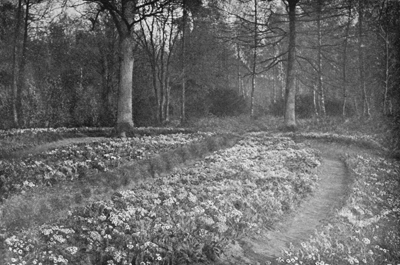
[226,102]
[277,108]
[334,107]
[304,106]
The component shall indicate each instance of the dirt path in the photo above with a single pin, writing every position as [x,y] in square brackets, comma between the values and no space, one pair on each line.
[301,224]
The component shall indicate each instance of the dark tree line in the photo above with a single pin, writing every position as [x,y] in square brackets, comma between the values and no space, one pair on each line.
[130,63]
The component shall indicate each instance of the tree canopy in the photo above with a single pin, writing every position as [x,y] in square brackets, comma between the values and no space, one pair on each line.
[134,63]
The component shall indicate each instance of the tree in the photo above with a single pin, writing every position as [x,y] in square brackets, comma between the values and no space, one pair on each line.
[361,60]
[126,14]
[345,52]
[387,28]
[158,38]
[184,41]
[290,98]
[15,67]
[321,90]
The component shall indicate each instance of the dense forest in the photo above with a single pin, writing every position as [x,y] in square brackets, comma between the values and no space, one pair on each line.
[124,63]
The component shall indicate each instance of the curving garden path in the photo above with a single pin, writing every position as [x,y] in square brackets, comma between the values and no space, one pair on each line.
[301,224]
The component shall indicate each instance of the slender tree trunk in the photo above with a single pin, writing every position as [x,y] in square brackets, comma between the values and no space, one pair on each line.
[320,77]
[386,99]
[21,72]
[239,76]
[183,91]
[282,80]
[344,67]
[167,101]
[274,85]
[356,106]
[162,93]
[106,114]
[15,68]
[253,75]
[156,88]
[363,88]
[290,115]
[315,101]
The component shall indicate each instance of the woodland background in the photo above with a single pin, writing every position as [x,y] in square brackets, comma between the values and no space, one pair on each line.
[60,61]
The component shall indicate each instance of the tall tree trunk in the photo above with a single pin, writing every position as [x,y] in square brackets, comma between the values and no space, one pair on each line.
[124,116]
[239,76]
[21,72]
[183,91]
[162,92]
[290,115]
[274,85]
[167,100]
[385,36]
[344,67]
[361,60]
[315,101]
[15,67]
[320,77]
[282,80]
[253,74]
[124,25]
[156,87]
[106,114]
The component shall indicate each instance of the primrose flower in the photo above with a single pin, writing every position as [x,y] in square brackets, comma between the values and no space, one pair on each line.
[169,201]
[366,241]
[72,250]
[95,235]
[192,198]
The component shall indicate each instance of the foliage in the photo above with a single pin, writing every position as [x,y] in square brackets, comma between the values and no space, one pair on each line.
[380,129]
[226,102]
[183,218]
[366,229]
[239,124]
[74,161]
[333,107]
[277,108]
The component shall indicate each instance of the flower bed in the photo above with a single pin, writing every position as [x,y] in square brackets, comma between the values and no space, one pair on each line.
[19,139]
[188,216]
[366,229]
[72,162]
[362,140]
